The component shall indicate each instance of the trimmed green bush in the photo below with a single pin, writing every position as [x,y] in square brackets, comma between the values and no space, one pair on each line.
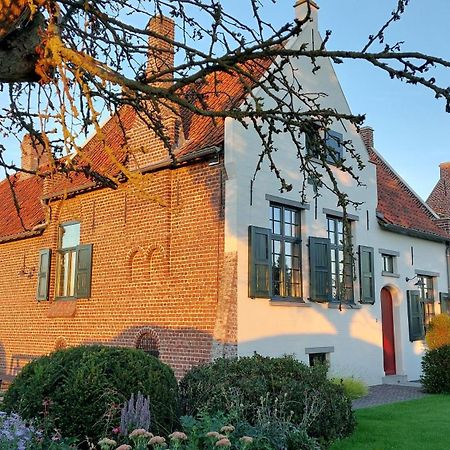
[230,384]
[436,370]
[353,387]
[80,389]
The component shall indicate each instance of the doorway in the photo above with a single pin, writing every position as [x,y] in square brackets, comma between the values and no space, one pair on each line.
[387,321]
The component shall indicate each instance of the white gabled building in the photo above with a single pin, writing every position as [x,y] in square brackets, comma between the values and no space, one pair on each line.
[288,252]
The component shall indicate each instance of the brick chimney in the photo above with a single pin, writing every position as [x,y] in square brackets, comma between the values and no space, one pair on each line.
[445,171]
[366,134]
[34,154]
[161,52]
[146,147]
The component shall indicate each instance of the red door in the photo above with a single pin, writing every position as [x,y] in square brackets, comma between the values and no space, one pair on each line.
[387,320]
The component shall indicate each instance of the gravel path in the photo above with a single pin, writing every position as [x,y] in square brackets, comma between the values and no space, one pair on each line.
[387,393]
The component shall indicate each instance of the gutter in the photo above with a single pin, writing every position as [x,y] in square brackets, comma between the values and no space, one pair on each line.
[413,233]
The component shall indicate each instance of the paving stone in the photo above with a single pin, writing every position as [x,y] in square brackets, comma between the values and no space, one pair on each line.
[386,393]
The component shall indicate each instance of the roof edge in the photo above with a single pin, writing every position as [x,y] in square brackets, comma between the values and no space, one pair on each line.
[413,233]
[423,202]
[22,235]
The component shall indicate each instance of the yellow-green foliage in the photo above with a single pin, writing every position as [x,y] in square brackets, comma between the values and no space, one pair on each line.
[438,333]
[353,387]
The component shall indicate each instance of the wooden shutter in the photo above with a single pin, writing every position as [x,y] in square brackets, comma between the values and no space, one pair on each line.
[43,274]
[320,269]
[366,274]
[83,271]
[444,299]
[415,316]
[259,262]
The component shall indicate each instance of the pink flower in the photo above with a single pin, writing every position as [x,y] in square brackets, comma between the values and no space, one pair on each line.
[124,447]
[224,442]
[178,436]
[156,440]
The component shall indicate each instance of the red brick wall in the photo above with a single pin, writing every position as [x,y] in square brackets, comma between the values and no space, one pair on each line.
[157,265]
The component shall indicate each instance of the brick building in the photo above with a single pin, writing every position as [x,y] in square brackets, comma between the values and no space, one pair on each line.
[190,260]
[439,198]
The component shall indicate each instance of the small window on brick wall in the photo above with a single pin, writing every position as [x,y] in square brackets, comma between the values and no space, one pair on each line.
[149,343]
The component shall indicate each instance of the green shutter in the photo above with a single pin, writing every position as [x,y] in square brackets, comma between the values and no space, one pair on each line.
[259,262]
[320,269]
[43,274]
[83,271]
[415,316]
[444,299]
[366,274]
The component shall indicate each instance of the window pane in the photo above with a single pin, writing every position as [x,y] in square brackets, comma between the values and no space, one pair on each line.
[70,235]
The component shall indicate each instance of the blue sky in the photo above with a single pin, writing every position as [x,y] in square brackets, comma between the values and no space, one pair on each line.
[410,125]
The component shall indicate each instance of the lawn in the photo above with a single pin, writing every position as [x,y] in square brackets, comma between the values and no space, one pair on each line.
[418,424]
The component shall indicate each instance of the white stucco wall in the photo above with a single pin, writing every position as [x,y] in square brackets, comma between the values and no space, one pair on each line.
[354,334]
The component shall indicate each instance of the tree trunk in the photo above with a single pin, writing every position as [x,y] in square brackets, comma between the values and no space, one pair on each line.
[18,54]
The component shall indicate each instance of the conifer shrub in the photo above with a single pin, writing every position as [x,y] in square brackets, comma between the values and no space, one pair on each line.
[81,389]
[436,370]
[238,385]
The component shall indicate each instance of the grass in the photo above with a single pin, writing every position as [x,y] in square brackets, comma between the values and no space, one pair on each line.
[414,425]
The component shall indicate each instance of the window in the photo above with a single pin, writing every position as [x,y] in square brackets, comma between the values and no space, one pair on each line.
[285,251]
[426,289]
[341,262]
[73,271]
[388,263]
[317,359]
[314,142]
[149,343]
[275,254]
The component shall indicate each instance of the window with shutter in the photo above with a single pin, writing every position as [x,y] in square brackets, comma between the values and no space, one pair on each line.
[415,316]
[286,251]
[320,269]
[366,274]
[43,274]
[341,258]
[74,264]
[425,284]
[259,262]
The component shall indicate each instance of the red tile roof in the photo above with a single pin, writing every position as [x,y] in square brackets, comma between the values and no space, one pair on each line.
[30,212]
[399,205]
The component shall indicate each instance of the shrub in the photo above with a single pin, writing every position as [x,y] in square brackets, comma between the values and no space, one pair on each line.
[436,370]
[80,389]
[317,403]
[438,333]
[353,387]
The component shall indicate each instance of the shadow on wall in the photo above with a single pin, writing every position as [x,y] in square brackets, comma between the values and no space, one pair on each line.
[181,348]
